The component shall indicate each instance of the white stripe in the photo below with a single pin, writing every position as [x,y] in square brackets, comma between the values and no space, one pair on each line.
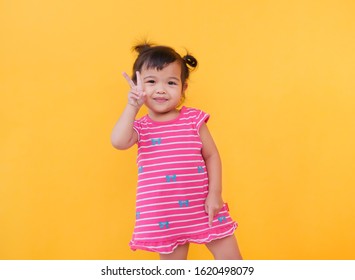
[168,125]
[189,118]
[168,216]
[169,150]
[169,229]
[171,169]
[171,209]
[184,117]
[177,175]
[172,229]
[221,212]
[171,183]
[173,222]
[166,131]
[156,158]
[169,196]
[201,120]
[169,202]
[175,136]
[173,189]
[175,162]
[169,144]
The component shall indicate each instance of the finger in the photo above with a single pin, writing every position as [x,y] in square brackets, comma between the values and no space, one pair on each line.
[135,95]
[210,217]
[128,79]
[139,82]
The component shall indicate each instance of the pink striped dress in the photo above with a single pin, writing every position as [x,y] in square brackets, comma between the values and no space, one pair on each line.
[173,185]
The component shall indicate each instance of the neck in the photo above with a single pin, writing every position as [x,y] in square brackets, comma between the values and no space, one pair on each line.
[165,116]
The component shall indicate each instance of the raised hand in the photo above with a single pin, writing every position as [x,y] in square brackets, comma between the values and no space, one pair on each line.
[136,95]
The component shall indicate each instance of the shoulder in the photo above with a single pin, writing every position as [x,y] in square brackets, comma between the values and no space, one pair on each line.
[141,121]
[193,112]
[140,125]
[197,116]
[190,110]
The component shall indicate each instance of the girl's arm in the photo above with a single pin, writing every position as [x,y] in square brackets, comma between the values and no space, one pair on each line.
[123,135]
[214,201]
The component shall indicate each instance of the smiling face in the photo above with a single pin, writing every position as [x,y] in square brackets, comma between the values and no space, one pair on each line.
[164,90]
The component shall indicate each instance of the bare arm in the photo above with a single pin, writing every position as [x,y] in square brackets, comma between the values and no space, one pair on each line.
[123,135]
[214,201]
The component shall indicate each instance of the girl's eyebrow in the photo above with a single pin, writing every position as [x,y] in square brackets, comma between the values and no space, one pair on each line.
[153,77]
[149,77]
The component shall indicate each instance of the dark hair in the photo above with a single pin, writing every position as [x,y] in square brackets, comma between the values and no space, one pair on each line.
[158,57]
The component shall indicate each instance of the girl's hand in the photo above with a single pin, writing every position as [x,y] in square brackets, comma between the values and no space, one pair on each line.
[213,205]
[136,95]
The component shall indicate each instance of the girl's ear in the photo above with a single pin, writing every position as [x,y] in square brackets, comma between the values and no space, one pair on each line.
[184,88]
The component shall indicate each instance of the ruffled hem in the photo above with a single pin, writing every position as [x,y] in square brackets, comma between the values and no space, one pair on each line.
[168,246]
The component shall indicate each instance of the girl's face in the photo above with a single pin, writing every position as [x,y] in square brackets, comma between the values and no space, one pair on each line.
[163,89]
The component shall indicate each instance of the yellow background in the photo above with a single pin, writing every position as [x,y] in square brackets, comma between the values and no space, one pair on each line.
[277,77]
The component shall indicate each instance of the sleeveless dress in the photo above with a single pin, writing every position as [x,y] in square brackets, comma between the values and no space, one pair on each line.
[173,186]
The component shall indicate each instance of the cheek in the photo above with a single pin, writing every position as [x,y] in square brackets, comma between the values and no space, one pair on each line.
[148,90]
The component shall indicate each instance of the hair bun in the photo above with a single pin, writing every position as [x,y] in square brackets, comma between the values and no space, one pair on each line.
[190,60]
[142,47]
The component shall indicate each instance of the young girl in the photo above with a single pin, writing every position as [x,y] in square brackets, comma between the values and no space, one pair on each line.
[179,189]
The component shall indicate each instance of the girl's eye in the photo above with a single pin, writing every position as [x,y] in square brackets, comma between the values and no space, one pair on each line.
[150,81]
[171,83]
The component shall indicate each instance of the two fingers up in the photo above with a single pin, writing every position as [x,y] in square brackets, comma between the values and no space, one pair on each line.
[136,95]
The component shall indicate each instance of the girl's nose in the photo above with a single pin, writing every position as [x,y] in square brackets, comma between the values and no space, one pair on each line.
[160,91]
[160,88]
